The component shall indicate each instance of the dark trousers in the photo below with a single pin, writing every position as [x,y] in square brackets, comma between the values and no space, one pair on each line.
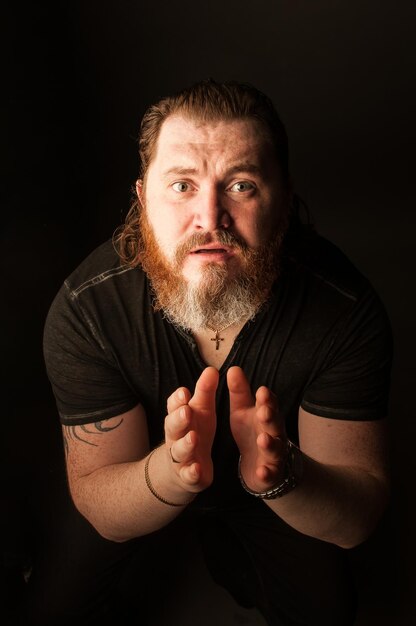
[84,580]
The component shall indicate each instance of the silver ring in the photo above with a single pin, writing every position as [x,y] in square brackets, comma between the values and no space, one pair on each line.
[171,456]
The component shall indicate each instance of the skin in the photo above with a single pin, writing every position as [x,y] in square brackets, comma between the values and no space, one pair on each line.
[206,177]
[255,424]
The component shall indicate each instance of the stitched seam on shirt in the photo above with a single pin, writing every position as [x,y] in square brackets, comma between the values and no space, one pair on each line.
[74,296]
[341,291]
[96,280]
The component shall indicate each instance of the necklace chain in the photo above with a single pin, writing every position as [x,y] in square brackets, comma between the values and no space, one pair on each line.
[217,332]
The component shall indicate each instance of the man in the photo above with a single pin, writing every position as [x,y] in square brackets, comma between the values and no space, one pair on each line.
[226,364]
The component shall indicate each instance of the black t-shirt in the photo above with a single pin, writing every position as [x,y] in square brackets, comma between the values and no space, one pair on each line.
[322,342]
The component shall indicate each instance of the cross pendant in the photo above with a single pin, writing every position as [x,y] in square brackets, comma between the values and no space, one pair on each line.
[217,338]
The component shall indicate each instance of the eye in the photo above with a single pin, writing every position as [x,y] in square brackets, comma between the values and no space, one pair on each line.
[242,186]
[181,186]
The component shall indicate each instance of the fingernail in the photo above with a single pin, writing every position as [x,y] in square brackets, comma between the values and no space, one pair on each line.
[181,395]
[189,438]
[182,413]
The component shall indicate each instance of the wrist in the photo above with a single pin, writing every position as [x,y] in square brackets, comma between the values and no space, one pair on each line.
[161,482]
[292,476]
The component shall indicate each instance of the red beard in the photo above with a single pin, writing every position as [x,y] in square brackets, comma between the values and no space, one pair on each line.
[217,300]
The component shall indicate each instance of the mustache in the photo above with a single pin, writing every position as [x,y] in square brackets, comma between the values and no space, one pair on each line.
[197,240]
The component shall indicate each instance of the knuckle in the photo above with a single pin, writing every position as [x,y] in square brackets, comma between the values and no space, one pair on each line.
[171,404]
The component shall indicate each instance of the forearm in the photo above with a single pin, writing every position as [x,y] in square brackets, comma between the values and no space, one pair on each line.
[117,501]
[340,505]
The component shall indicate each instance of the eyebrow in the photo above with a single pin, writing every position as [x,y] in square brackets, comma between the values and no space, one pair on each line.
[244,166]
[181,171]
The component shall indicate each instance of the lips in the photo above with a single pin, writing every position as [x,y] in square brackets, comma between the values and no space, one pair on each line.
[210,251]
[213,248]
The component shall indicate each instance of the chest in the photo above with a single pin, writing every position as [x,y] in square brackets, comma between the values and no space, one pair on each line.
[215,345]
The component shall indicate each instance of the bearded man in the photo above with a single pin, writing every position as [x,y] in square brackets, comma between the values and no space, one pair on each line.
[224,368]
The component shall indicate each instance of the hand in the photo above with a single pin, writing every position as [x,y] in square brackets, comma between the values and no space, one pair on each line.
[259,432]
[189,432]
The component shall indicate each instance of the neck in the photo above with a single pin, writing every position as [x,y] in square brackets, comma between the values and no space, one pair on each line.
[215,344]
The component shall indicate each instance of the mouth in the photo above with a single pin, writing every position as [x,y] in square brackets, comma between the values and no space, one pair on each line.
[213,253]
[212,249]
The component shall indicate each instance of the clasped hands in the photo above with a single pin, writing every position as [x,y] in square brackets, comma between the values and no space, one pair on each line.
[256,426]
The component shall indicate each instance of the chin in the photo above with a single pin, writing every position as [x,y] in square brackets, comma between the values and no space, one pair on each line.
[197,275]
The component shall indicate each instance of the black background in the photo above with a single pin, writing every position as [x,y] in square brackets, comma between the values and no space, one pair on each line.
[77,77]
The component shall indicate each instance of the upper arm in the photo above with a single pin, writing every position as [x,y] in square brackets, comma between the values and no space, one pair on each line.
[349,443]
[120,439]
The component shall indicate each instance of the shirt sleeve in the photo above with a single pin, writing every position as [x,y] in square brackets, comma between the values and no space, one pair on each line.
[86,380]
[353,378]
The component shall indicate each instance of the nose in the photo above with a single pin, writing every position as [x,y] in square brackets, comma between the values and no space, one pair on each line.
[210,214]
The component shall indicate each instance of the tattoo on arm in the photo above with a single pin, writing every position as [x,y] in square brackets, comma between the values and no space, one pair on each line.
[81,432]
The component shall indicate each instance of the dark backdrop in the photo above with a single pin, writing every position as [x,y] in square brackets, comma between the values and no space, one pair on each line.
[78,76]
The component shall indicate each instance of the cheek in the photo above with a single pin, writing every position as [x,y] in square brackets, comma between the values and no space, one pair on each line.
[169,233]
[255,227]
[269,222]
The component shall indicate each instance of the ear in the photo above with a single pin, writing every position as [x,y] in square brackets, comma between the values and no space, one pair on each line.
[140,190]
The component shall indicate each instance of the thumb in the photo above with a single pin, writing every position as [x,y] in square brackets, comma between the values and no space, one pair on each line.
[205,390]
[241,397]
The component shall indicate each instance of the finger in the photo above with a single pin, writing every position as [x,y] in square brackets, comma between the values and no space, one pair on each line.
[191,474]
[272,457]
[182,450]
[272,449]
[195,476]
[205,390]
[178,398]
[241,397]
[177,423]
[268,475]
[268,419]
[264,395]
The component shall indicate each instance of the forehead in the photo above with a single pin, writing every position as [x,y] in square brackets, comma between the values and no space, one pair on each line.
[224,140]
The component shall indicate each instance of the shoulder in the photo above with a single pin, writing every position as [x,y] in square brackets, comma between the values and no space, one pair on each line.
[94,319]
[102,265]
[98,294]
[324,264]
[338,340]
[333,297]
